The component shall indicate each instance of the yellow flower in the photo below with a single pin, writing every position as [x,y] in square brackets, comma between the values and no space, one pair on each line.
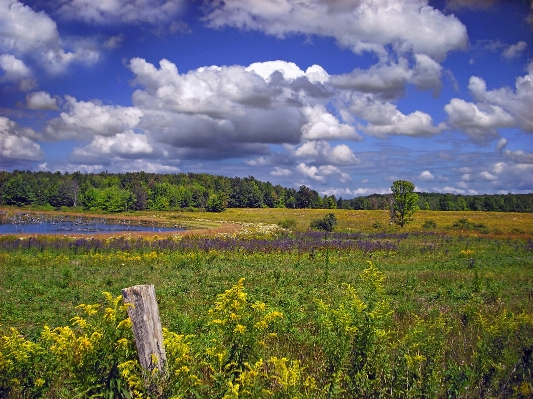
[126,323]
[239,329]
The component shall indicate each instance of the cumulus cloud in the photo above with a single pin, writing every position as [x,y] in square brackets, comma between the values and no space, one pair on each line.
[41,100]
[479,122]
[365,25]
[388,80]
[25,32]
[15,145]
[104,12]
[322,173]
[16,71]
[234,111]
[323,125]
[426,176]
[384,119]
[322,152]
[517,102]
[85,119]
[127,145]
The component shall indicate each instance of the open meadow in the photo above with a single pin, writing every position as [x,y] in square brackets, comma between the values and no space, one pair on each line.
[441,308]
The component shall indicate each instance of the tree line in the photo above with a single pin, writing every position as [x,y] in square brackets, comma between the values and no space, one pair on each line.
[119,192]
[448,202]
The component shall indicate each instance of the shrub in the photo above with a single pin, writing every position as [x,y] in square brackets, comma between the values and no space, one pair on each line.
[429,224]
[287,223]
[327,223]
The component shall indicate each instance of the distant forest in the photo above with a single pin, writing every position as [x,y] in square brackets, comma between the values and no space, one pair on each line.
[119,192]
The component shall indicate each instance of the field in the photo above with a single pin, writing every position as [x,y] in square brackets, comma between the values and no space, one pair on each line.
[440,308]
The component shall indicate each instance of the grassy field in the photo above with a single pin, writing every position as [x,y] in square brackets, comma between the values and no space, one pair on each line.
[445,309]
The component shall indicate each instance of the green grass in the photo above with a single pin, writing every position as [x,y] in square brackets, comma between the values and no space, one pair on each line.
[444,271]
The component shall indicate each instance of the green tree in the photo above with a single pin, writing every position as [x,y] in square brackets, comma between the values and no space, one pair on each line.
[405,201]
[216,203]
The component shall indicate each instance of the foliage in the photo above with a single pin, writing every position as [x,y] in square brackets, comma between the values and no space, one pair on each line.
[436,326]
[151,191]
[405,202]
[216,203]
[327,223]
[287,223]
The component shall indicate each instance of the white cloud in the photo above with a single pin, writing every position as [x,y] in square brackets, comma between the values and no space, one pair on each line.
[85,119]
[104,12]
[41,100]
[24,32]
[322,173]
[384,119]
[14,145]
[502,143]
[309,171]
[323,125]
[514,50]
[289,70]
[426,176]
[488,176]
[280,172]
[479,122]
[388,80]
[16,71]
[323,152]
[513,177]
[518,103]
[225,112]
[105,149]
[519,157]
[365,25]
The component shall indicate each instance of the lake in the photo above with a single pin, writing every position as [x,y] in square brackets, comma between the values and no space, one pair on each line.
[44,224]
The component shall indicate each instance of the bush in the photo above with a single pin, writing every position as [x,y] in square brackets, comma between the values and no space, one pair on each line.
[287,223]
[429,224]
[327,223]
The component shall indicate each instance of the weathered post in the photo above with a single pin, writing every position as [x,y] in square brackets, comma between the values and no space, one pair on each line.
[146,325]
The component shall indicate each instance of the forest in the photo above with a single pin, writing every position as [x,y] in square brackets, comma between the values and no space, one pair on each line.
[119,192]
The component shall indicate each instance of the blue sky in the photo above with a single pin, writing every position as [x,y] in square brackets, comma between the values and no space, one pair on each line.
[344,96]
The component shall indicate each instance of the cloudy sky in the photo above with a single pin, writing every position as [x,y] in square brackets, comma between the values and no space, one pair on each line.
[344,96]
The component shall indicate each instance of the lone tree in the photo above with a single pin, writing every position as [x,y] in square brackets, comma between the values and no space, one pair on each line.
[404,202]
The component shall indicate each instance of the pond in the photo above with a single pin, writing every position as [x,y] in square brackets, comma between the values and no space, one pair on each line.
[24,223]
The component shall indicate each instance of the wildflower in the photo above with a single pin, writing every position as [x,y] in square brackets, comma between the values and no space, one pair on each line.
[125,324]
[239,329]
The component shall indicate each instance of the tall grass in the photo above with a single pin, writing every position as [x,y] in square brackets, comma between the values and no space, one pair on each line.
[439,312]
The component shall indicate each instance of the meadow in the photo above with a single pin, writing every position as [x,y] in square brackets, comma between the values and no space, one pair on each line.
[442,308]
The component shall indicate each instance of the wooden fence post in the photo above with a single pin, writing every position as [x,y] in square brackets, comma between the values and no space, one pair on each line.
[146,325]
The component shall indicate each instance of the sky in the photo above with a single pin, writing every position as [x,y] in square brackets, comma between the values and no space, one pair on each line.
[343,96]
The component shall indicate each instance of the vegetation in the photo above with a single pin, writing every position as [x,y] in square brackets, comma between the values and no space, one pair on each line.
[404,203]
[327,223]
[442,311]
[140,191]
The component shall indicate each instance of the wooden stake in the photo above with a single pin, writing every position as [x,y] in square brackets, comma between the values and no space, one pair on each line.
[146,325]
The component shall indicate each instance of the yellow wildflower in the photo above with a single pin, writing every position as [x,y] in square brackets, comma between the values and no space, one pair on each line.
[239,329]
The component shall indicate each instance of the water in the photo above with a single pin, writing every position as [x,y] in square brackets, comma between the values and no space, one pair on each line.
[39,224]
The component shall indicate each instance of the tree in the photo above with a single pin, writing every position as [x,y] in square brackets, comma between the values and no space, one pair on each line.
[404,201]
[216,203]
